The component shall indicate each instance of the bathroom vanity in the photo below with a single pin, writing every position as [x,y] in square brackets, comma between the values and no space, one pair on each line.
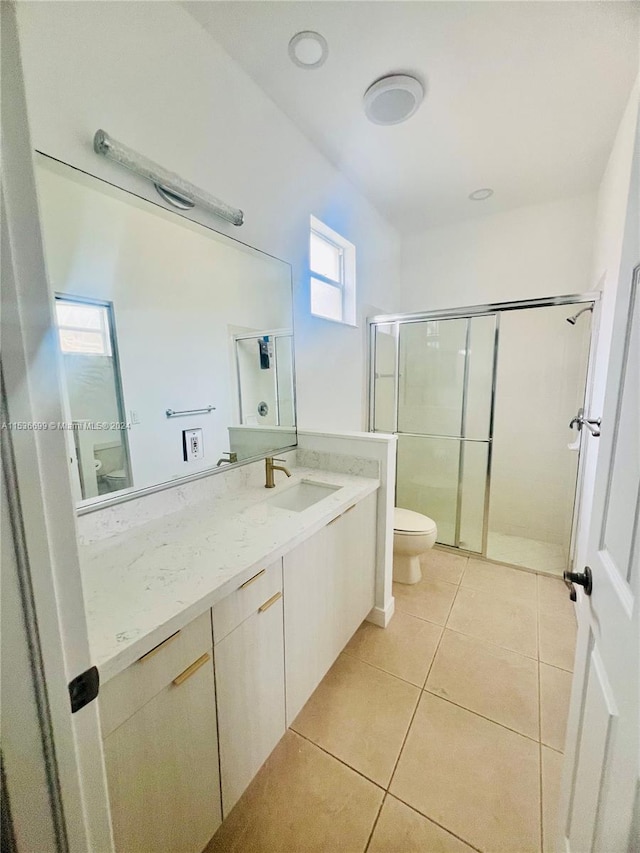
[214,606]
[211,628]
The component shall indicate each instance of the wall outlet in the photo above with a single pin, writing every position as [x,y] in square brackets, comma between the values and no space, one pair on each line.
[192,446]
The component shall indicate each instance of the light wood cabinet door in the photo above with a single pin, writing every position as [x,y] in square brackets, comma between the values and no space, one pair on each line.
[308,617]
[355,568]
[162,769]
[329,590]
[251,700]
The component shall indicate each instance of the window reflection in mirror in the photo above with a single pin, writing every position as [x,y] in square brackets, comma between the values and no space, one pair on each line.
[95,422]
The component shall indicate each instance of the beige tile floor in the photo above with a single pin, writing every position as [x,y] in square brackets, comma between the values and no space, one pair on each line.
[441,734]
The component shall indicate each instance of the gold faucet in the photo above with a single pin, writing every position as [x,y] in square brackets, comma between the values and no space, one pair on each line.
[270,468]
[233,457]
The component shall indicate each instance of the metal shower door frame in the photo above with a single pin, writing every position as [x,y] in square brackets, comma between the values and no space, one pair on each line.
[462,438]
[468,313]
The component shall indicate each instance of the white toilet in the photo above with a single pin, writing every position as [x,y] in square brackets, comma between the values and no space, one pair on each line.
[413,534]
[117,480]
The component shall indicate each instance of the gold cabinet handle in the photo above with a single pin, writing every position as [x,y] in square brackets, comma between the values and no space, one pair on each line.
[333,520]
[157,648]
[251,580]
[269,602]
[195,666]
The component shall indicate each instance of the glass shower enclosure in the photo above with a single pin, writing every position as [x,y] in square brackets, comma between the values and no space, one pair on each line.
[436,381]
[433,386]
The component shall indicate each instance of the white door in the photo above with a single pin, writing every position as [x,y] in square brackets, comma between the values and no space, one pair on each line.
[29,790]
[44,637]
[600,792]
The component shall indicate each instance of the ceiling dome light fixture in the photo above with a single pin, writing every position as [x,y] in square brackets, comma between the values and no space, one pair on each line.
[308,49]
[481,194]
[393,99]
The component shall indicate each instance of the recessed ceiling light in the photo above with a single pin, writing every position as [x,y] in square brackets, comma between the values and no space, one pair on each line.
[481,195]
[393,99]
[308,49]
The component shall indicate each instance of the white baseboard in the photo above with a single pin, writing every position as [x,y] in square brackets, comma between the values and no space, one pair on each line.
[381,616]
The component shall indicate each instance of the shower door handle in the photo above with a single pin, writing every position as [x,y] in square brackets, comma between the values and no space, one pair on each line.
[577,421]
[592,424]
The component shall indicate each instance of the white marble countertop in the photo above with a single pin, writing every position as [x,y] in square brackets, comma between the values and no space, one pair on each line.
[146,583]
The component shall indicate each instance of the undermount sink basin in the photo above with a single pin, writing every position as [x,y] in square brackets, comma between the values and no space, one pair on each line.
[302,495]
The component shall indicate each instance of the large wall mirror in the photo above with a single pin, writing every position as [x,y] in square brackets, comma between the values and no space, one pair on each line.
[176,342]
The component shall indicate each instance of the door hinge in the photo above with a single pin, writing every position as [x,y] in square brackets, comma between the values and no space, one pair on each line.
[84,688]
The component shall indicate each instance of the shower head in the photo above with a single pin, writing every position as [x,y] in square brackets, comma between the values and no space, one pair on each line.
[573,319]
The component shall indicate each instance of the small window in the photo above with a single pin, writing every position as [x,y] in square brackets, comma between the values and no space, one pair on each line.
[332,263]
[83,328]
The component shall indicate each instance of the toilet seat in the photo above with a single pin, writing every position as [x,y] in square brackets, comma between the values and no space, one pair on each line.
[407,522]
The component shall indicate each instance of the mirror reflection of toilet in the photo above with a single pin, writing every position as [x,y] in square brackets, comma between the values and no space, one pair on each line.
[413,534]
[117,480]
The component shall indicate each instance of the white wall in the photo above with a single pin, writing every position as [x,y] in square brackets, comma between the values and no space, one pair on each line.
[151,76]
[529,252]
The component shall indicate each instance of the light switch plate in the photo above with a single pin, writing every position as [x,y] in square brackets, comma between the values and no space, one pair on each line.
[192,446]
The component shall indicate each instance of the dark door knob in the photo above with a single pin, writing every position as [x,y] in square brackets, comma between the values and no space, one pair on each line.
[584,579]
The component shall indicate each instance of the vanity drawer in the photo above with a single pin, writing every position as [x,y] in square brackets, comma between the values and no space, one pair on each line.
[125,694]
[250,595]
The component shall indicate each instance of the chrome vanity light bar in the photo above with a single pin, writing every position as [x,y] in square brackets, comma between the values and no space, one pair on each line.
[173,189]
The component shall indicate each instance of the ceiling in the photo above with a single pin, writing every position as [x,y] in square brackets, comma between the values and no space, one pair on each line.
[524,97]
